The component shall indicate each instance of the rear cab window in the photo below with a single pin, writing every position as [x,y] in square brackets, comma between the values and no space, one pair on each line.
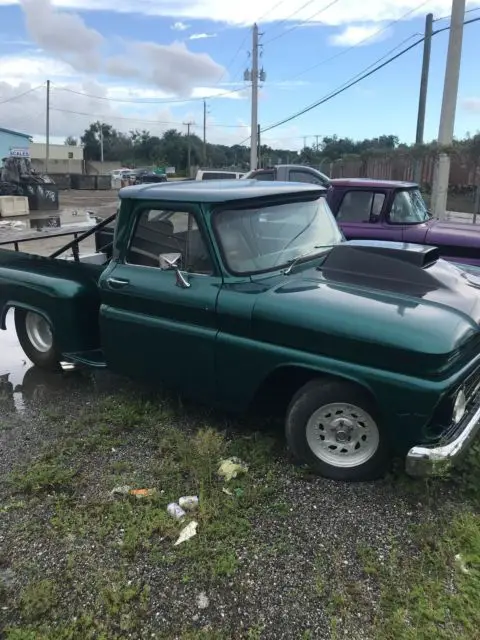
[361,206]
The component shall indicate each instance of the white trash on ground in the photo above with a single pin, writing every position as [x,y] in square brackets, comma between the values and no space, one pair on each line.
[187,532]
[232,468]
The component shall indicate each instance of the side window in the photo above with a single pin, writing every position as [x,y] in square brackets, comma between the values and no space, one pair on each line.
[263,175]
[360,206]
[304,176]
[162,232]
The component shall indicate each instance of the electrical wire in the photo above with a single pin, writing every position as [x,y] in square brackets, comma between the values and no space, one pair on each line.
[113,117]
[356,79]
[299,24]
[448,17]
[146,101]
[20,95]
[358,44]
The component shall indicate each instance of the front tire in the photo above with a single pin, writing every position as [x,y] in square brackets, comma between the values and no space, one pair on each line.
[36,338]
[334,428]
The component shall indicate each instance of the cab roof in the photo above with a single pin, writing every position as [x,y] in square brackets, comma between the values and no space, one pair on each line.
[370,183]
[217,191]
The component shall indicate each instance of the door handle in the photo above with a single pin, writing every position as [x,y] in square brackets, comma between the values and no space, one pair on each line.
[117,283]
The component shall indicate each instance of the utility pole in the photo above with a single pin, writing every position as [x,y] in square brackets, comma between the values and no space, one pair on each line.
[254,122]
[316,142]
[259,148]
[449,104]
[254,76]
[422,100]
[205,133]
[101,142]
[189,148]
[47,132]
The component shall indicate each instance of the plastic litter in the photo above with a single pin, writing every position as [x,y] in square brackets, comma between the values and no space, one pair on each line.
[142,493]
[232,468]
[187,532]
[122,490]
[461,563]
[176,511]
[189,503]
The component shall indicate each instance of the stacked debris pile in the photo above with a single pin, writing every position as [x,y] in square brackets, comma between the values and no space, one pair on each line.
[18,178]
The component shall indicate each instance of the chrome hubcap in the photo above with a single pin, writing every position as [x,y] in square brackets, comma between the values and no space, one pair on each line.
[342,435]
[39,332]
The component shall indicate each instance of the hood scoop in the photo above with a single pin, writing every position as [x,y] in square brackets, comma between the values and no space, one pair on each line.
[395,266]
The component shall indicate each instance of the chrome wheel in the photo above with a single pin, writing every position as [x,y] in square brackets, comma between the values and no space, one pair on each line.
[342,435]
[39,332]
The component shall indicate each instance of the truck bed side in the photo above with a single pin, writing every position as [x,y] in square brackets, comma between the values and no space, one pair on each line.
[65,292]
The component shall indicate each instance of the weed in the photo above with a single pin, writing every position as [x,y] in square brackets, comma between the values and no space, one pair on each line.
[38,598]
[45,475]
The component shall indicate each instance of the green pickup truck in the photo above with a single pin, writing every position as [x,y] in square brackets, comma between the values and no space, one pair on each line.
[242,291]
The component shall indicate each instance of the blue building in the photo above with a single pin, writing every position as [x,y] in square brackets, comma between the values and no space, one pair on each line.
[13,143]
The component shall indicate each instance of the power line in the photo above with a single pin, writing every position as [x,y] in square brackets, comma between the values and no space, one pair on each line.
[358,44]
[20,95]
[296,26]
[113,117]
[356,79]
[147,101]
[448,17]
[275,6]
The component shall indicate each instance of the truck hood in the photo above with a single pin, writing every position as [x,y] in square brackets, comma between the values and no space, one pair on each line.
[445,234]
[378,304]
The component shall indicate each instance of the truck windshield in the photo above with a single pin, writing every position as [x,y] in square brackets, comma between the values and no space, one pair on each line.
[409,208]
[261,239]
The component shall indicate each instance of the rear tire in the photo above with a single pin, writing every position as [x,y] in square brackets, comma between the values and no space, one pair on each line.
[36,338]
[334,428]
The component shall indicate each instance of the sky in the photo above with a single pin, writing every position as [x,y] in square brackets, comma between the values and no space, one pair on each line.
[148,64]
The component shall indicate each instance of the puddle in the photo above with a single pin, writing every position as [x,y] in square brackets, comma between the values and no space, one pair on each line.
[23,384]
[13,366]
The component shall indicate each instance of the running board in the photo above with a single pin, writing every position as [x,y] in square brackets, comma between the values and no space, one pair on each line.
[93,358]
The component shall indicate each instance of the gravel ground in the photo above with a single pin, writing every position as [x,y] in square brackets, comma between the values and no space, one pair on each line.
[287,556]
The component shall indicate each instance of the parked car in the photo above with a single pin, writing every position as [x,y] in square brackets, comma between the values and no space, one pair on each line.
[239,292]
[145,176]
[391,210]
[289,173]
[387,210]
[214,174]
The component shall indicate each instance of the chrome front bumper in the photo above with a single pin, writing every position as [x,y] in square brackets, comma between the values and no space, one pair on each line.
[423,460]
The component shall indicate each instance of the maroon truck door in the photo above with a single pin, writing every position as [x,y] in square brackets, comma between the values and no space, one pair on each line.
[360,214]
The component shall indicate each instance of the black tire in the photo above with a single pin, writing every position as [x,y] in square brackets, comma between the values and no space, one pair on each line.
[50,359]
[319,393]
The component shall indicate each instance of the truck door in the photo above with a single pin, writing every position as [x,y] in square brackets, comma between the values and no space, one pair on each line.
[360,215]
[152,326]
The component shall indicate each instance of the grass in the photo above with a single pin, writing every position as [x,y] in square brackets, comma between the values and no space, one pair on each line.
[425,584]
[181,461]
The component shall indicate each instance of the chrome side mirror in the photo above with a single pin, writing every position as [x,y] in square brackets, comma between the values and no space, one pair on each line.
[169,262]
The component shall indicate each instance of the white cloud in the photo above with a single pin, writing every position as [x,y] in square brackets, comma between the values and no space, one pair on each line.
[171,67]
[471,104]
[179,26]
[64,34]
[244,13]
[356,34]
[202,36]
[72,111]
[33,69]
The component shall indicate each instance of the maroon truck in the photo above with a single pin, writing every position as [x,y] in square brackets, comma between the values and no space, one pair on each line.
[385,210]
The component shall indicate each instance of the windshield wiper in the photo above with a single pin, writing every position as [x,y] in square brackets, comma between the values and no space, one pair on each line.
[296,260]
